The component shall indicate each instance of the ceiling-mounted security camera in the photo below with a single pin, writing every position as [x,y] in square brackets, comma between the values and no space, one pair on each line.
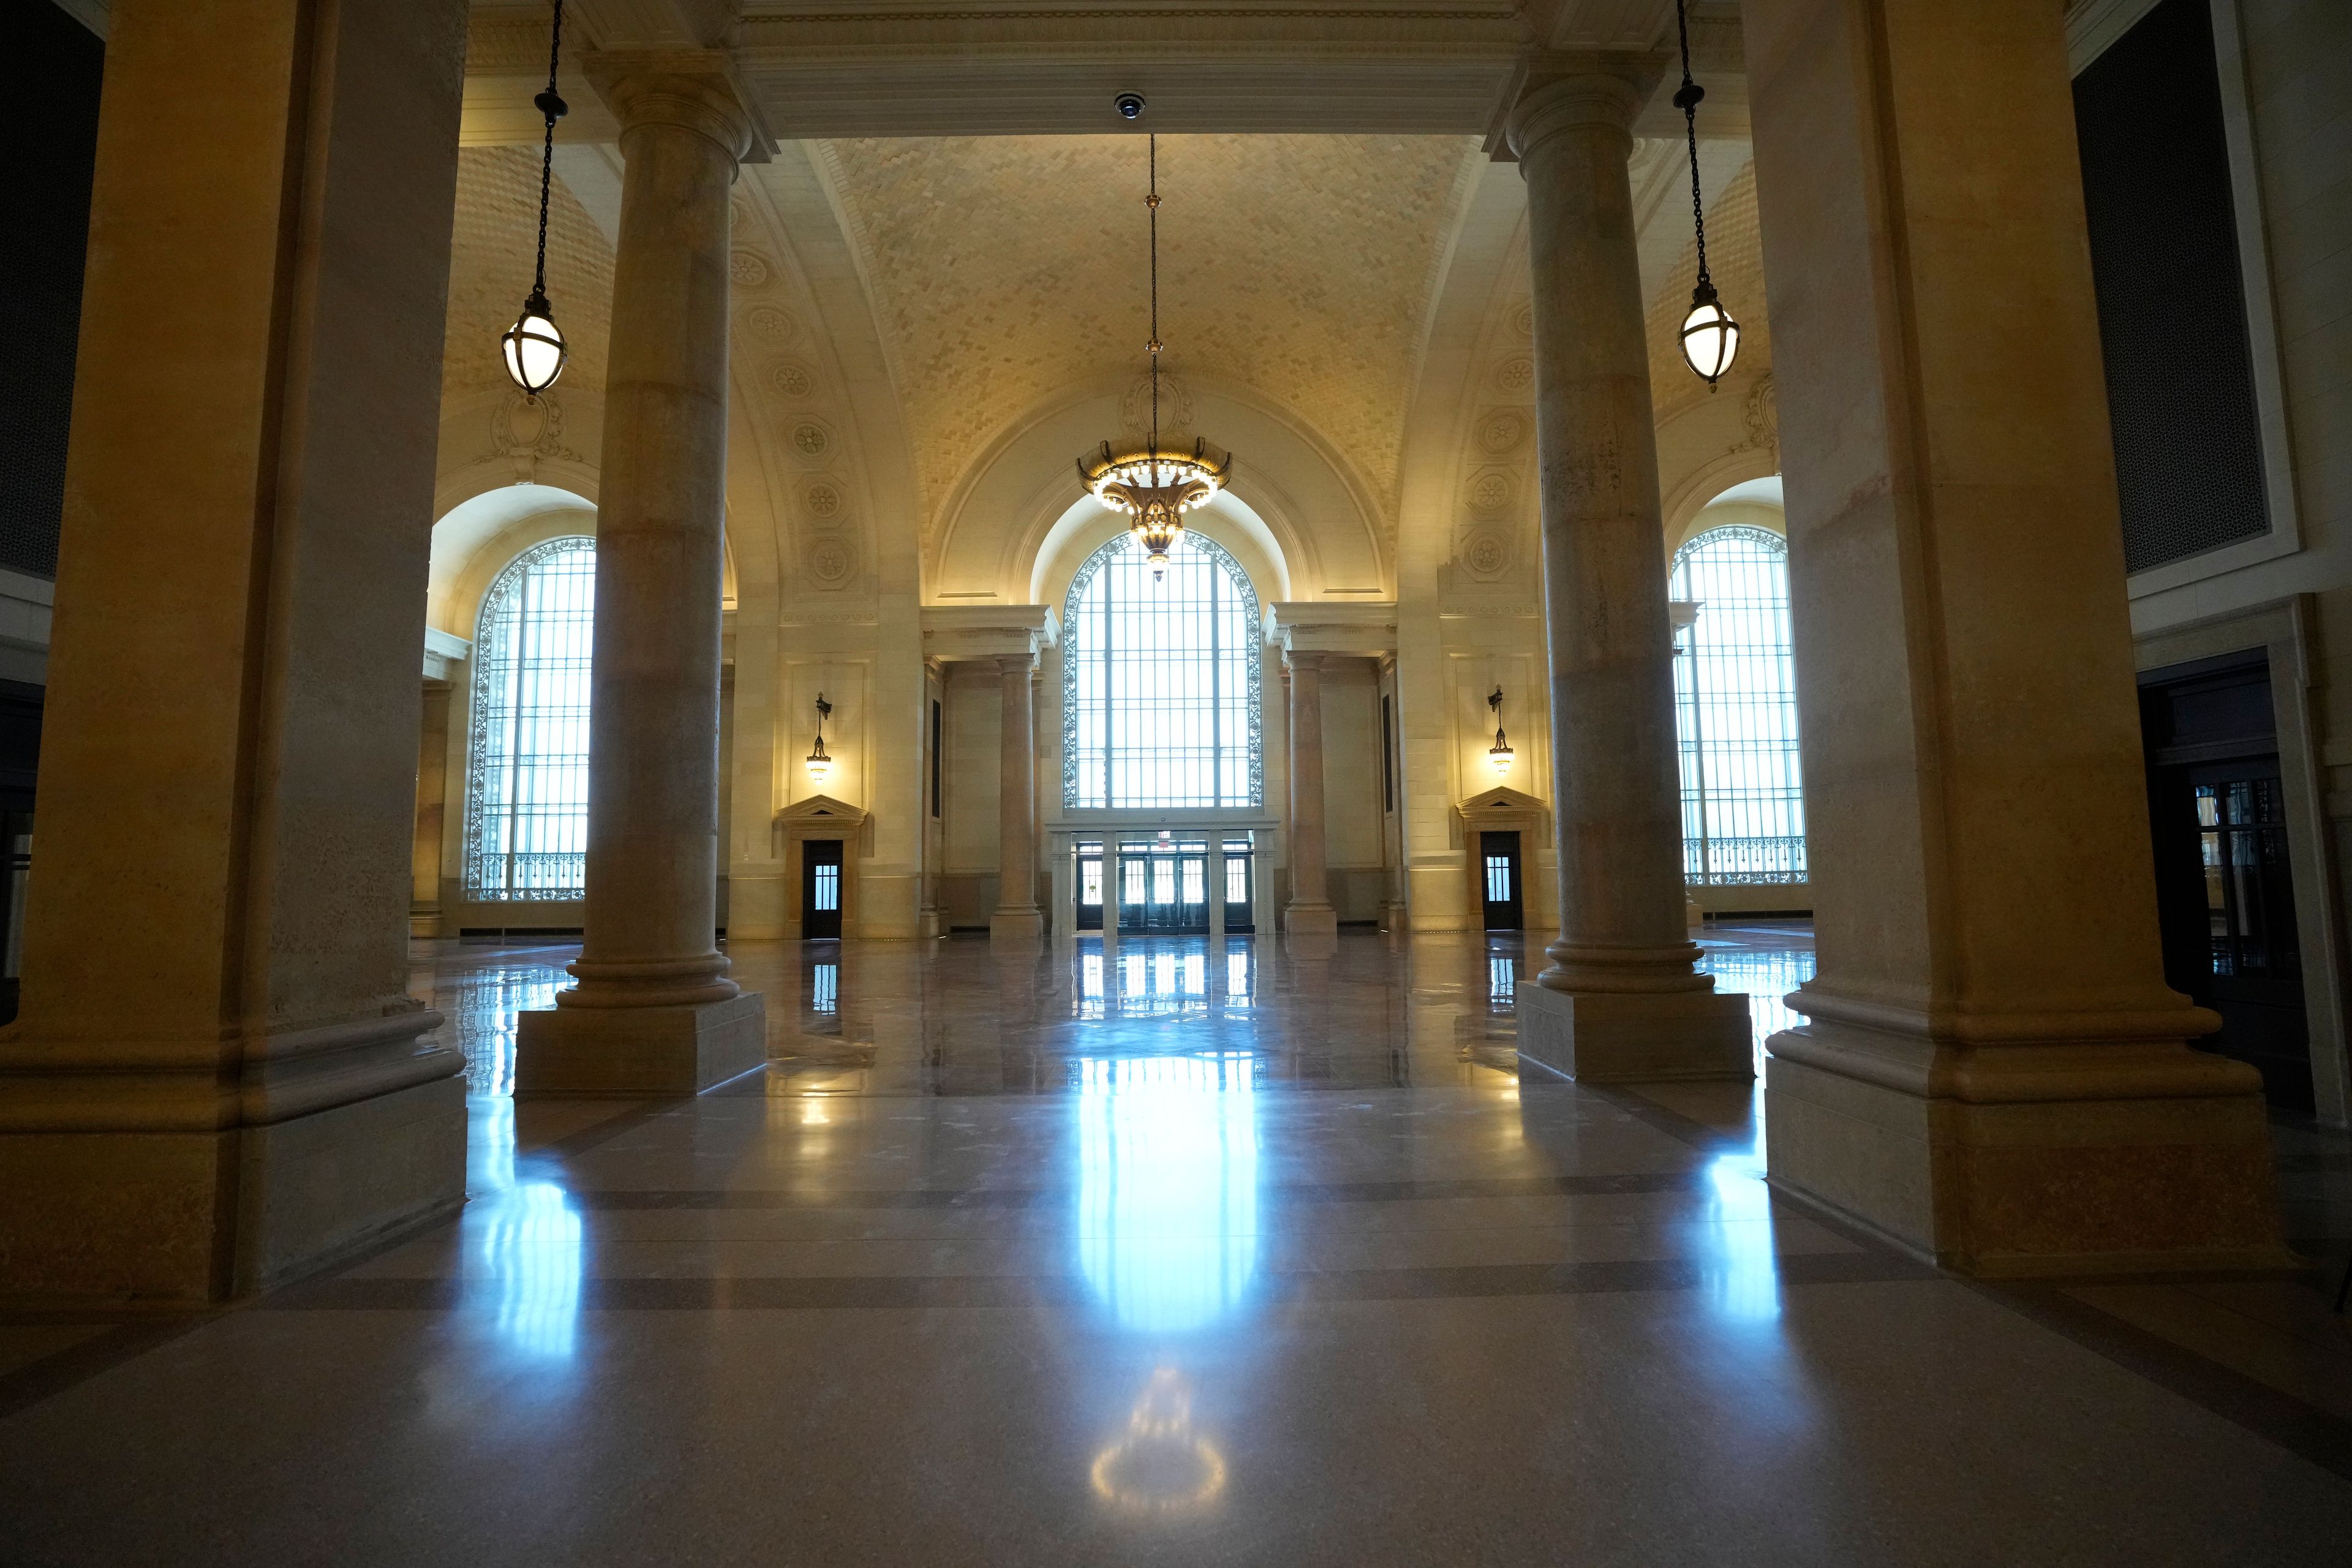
[1129,105]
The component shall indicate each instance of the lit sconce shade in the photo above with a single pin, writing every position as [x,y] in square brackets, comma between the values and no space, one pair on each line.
[535,350]
[1710,337]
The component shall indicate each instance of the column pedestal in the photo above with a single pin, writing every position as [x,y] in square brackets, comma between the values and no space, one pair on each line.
[586,1052]
[1602,1038]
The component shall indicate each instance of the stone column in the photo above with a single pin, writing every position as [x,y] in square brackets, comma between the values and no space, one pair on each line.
[432,812]
[654,1011]
[1016,918]
[218,1079]
[1308,914]
[1992,1069]
[1620,999]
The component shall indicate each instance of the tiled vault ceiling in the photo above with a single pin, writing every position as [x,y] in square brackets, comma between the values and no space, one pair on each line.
[1005,269]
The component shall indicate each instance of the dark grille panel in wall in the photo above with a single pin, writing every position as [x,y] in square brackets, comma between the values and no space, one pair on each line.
[49,67]
[2172,307]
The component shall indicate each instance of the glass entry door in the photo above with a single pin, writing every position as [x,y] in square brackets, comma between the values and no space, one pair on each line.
[1498,854]
[1163,886]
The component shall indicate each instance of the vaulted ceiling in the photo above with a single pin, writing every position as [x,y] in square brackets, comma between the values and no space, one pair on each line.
[1007,270]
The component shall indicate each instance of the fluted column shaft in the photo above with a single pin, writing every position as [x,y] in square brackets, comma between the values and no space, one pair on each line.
[653,768]
[1616,789]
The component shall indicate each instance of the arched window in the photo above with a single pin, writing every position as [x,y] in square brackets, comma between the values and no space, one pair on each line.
[1159,680]
[1736,711]
[527,773]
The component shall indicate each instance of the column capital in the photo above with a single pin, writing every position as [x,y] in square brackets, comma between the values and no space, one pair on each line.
[1585,91]
[690,89]
[1016,663]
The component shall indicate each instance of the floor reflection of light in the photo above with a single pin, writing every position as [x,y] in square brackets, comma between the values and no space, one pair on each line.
[1159,1465]
[1743,1274]
[1196,974]
[1167,1214]
[1767,975]
[532,1249]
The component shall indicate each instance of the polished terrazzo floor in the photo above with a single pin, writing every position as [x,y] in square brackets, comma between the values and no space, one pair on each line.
[1202,1256]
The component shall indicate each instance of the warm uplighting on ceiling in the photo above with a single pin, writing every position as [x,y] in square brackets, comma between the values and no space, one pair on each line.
[534,348]
[1155,487]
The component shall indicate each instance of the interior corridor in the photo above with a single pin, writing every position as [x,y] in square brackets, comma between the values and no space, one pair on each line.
[1021,1257]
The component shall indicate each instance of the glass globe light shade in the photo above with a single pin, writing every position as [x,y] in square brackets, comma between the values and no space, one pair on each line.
[1499,754]
[819,765]
[1710,337]
[534,349]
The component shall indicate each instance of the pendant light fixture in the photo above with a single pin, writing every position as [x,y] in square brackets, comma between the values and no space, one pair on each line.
[1499,754]
[1155,487]
[535,351]
[819,764]
[1710,337]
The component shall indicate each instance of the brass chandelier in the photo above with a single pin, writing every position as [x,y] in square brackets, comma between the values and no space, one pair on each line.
[1155,487]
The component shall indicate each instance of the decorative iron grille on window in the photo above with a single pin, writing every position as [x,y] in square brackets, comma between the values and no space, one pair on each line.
[1735,711]
[1159,680]
[527,760]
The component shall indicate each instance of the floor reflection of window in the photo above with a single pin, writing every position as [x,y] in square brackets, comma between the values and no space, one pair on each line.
[532,1248]
[824,988]
[1167,1177]
[1502,980]
[1238,976]
[1742,1271]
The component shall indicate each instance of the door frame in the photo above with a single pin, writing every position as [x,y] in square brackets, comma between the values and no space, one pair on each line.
[820,817]
[1502,810]
[2284,629]
[1518,861]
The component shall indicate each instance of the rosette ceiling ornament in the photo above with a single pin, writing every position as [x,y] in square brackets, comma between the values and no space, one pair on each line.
[1155,487]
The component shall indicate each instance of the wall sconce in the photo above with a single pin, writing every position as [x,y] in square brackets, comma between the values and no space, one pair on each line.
[1500,754]
[819,765]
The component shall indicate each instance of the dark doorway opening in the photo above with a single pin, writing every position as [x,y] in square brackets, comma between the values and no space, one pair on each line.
[2224,891]
[820,888]
[1499,857]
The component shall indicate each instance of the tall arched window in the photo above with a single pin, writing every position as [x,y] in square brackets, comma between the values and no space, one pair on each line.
[1159,680]
[1736,711]
[526,774]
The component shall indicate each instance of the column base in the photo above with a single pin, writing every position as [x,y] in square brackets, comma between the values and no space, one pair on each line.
[1987,1171]
[1020,927]
[638,1052]
[1321,922]
[111,1218]
[1645,1036]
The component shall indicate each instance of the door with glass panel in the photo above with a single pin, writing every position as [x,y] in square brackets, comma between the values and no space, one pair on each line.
[2225,889]
[820,888]
[1241,905]
[1091,882]
[1164,886]
[1498,864]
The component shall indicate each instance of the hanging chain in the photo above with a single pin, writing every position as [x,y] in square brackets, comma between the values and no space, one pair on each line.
[1687,100]
[1152,202]
[551,103]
